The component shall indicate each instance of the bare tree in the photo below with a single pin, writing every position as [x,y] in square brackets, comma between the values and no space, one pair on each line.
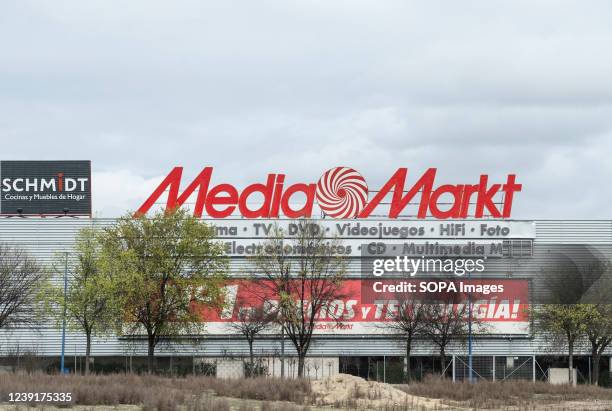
[305,272]
[408,321]
[448,321]
[251,322]
[21,282]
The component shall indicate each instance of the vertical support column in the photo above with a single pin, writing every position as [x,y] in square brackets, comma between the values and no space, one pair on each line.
[62,368]
[533,366]
[493,368]
[453,367]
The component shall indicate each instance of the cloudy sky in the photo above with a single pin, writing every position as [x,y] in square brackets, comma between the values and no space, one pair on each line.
[298,87]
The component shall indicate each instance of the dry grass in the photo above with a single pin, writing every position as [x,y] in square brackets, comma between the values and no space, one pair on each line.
[510,393]
[156,393]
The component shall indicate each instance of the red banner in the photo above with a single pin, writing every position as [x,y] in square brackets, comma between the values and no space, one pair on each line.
[493,301]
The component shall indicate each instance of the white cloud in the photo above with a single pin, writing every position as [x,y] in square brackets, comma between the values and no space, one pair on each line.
[470,87]
[116,192]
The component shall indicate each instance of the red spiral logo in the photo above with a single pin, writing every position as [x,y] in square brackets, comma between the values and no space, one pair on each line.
[342,192]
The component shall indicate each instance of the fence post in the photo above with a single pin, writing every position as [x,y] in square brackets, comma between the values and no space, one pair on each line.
[533,365]
[453,367]
[493,368]
[590,372]
[384,368]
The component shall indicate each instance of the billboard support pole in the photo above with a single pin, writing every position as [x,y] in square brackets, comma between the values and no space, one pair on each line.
[471,371]
[62,369]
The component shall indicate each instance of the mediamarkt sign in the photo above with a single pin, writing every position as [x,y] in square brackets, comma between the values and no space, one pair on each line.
[341,192]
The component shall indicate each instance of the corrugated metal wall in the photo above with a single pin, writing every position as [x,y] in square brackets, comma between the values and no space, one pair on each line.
[46,238]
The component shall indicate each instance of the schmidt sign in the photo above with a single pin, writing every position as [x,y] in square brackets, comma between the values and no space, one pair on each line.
[45,188]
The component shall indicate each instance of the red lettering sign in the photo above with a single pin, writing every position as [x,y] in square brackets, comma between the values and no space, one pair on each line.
[341,192]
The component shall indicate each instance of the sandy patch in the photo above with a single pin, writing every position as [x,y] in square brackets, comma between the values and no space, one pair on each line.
[345,390]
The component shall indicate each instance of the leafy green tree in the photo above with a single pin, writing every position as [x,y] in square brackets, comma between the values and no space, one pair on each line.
[565,322]
[90,302]
[167,266]
[578,290]
[598,329]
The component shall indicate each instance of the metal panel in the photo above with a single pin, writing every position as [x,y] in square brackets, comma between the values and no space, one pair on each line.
[46,237]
